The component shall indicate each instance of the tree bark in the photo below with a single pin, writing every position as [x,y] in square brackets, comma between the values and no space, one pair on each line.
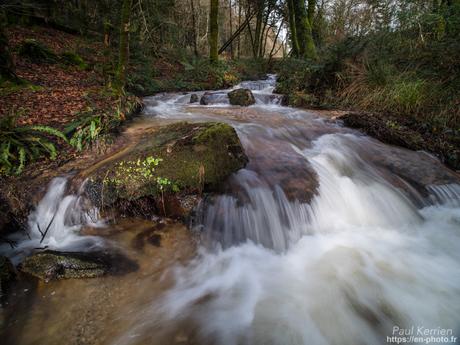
[123,57]
[239,24]
[258,31]
[214,31]
[311,11]
[307,47]
[292,29]
[195,36]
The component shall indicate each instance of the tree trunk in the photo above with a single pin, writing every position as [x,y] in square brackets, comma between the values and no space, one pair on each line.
[236,34]
[214,31]
[292,29]
[123,57]
[232,53]
[304,35]
[258,31]
[270,56]
[7,68]
[195,36]
[311,11]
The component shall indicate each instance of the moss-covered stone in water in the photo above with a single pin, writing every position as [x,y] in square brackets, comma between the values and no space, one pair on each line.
[243,97]
[195,157]
[50,265]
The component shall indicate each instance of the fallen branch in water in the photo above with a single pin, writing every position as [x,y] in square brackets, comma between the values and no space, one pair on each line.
[47,228]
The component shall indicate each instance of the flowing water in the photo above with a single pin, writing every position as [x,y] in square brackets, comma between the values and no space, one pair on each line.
[326,237]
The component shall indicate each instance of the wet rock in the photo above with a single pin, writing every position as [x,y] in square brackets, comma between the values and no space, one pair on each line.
[7,275]
[51,265]
[188,159]
[194,98]
[243,97]
[205,99]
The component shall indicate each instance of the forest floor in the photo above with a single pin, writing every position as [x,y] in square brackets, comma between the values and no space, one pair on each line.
[55,94]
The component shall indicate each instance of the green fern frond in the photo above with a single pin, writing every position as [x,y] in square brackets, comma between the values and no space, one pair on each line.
[49,130]
[22,160]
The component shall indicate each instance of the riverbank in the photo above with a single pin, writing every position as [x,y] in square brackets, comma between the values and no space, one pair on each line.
[401,110]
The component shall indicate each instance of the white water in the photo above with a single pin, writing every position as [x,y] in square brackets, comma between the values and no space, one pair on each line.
[368,253]
[61,216]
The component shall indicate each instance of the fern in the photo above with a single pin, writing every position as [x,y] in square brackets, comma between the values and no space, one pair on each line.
[87,130]
[22,144]
[49,130]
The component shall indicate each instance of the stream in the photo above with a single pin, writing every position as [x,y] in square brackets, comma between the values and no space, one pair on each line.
[326,237]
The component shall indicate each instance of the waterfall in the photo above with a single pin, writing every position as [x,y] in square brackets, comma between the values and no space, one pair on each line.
[372,250]
[56,221]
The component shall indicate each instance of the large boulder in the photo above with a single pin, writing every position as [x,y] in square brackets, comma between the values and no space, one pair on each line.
[167,171]
[206,98]
[51,265]
[243,97]
[194,98]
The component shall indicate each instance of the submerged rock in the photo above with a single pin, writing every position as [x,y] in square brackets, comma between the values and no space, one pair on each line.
[243,97]
[7,274]
[205,99]
[165,169]
[194,98]
[51,265]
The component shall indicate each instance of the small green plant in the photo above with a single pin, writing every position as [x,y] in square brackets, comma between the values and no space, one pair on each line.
[393,125]
[140,172]
[129,177]
[22,144]
[84,131]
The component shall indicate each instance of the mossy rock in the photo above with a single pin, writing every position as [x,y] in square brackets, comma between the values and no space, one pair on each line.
[194,98]
[191,157]
[243,97]
[70,58]
[37,52]
[52,265]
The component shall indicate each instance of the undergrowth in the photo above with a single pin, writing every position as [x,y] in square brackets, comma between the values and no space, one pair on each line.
[22,144]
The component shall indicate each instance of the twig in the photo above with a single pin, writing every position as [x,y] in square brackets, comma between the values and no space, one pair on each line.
[39,230]
[48,227]
[12,243]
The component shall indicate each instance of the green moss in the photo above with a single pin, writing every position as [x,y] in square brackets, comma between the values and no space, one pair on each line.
[70,58]
[55,265]
[9,87]
[243,97]
[216,132]
[37,52]
[185,157]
